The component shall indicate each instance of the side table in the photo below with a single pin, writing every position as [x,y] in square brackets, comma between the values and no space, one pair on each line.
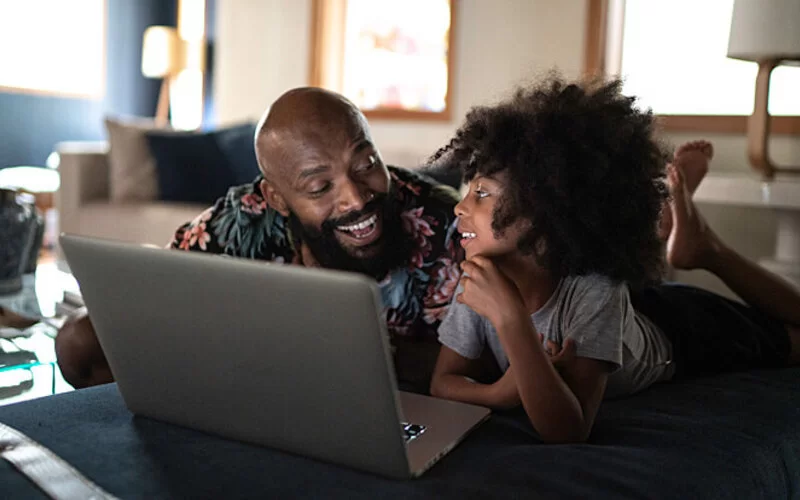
[42,183]
[29,321]
[781,196]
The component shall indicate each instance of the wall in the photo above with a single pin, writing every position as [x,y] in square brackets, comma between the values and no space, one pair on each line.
[262,50]
[30,125]
[263,46]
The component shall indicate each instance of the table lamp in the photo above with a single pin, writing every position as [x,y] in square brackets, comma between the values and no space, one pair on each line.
[766,32]
[161,59]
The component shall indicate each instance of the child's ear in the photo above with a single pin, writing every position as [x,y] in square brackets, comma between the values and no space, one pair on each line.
[273,198]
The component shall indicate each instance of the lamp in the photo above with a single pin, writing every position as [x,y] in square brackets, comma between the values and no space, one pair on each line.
[161,58]
[766,32]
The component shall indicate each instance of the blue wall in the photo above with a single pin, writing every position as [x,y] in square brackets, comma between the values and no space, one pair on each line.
[30,125]
[209,112]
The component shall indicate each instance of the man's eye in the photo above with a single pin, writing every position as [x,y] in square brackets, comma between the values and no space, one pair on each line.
[320,190]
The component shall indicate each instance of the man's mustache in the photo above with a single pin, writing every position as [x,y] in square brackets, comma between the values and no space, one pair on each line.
[374,205]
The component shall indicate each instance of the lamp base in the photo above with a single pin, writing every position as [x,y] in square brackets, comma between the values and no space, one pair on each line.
[162,109]
[759,124]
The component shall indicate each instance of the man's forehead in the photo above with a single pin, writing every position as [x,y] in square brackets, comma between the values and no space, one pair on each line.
[290,154]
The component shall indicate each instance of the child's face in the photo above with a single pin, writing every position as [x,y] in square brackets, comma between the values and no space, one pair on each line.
[475,213]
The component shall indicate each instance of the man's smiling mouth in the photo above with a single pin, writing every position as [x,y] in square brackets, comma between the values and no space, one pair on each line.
[364,229]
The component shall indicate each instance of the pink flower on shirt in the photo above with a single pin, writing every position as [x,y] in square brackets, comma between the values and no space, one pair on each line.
[253,203]
[443,284]
[196,233]
[418,227]
[199,236]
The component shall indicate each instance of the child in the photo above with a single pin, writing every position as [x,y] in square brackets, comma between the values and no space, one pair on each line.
[561,232]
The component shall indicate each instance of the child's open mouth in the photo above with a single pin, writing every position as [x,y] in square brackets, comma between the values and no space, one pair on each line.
[466,238]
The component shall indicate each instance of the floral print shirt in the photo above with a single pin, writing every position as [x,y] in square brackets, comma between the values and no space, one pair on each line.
[415,297]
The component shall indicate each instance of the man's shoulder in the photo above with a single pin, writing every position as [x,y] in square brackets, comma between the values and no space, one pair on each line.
[422,189]
[239,224]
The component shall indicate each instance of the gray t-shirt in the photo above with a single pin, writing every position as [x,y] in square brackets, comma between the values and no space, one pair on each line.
[597,314]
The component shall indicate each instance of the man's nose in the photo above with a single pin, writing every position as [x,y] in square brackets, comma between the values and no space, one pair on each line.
[352,197]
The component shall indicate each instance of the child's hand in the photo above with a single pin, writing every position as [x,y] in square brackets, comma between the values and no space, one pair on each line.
[560,354]
[489,292]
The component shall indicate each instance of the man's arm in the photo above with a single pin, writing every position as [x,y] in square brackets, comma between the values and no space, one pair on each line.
[80,357]
[78,352]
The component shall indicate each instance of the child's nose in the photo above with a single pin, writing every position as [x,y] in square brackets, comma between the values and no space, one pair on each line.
[459,208]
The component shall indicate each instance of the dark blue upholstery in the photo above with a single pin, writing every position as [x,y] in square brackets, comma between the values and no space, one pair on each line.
[732,436]
[200,167]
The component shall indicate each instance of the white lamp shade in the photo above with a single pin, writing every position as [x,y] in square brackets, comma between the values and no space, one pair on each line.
[159,52]
[765,30]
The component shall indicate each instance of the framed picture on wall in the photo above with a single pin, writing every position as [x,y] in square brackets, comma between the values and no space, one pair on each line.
[393,59]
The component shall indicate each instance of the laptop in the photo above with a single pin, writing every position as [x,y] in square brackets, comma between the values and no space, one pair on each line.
[282,356]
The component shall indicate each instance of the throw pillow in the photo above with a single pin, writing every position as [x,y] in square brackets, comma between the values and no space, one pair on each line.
[200,167]
[236,143]
[132,170]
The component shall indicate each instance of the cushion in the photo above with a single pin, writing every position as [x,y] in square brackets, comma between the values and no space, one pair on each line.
[132,170]
[200,167]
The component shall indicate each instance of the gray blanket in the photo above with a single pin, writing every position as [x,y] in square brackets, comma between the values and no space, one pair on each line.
[732,436]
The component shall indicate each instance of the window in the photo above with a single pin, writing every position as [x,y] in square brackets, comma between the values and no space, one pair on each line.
[53,47]
[672,55]
[392,59]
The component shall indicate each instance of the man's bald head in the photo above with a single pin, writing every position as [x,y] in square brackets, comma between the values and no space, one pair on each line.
[323,173]
[301,121]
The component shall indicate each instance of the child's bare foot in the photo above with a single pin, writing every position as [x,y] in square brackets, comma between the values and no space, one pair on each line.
[692,159]
[691,243]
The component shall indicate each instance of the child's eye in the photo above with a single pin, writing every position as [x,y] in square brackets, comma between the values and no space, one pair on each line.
[369,166]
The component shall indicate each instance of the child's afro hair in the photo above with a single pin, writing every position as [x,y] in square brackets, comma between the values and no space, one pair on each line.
[584,169]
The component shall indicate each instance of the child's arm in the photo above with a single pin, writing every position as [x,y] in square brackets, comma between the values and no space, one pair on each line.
[561,409]
[452,379]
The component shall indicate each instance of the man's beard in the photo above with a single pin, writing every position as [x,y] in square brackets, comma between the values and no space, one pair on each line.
[391,250]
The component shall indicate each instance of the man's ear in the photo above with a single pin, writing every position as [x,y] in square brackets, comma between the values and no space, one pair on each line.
[273,198]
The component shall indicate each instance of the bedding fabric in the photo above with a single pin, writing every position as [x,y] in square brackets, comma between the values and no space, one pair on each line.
[731,436]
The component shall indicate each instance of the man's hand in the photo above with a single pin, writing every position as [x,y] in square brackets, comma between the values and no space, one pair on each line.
[80,357]
[488,292]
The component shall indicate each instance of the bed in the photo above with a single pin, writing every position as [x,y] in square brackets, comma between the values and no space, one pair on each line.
[728,436]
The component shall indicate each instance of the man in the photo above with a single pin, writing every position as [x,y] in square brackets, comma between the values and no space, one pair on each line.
[325,198]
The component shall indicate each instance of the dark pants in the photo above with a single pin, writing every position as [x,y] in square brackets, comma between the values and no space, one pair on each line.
[711,334]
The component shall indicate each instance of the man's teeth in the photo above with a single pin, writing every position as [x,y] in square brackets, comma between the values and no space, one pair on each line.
[361,225]
[468,235]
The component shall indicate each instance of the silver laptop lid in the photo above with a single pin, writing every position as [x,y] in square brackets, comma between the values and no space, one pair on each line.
[288,357]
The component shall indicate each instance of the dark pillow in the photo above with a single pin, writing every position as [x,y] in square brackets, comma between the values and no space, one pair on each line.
[200,167]
[236,144]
